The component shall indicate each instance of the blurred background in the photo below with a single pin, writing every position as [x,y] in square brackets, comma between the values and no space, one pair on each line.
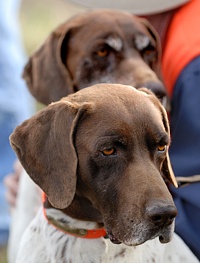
[37,19]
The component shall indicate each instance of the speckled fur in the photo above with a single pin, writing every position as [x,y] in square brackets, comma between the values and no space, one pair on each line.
[43,243]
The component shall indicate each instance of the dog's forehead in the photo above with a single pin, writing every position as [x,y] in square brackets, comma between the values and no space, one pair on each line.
[107,21]
[118,111]
[103,17]
[116,100]
[102,93]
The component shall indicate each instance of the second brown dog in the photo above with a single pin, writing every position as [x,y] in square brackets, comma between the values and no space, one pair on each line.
[99,46]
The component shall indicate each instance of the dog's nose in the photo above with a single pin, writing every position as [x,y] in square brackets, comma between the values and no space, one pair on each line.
[161,215]
[157,88]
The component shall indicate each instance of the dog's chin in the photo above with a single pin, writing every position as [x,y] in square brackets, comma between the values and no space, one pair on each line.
[165,238]
[113,239]
[129,240]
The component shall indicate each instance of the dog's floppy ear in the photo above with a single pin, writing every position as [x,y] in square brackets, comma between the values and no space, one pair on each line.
[156,65]
[47,77]
[166,167]
[44,145]
[168,171]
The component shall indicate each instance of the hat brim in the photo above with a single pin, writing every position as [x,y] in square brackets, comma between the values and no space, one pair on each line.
[137,7]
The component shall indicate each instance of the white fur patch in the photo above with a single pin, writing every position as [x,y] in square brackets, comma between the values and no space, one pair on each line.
[115,43]
[142,42]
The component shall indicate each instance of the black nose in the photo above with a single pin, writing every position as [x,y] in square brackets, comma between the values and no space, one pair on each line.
[157,88]
[161,214]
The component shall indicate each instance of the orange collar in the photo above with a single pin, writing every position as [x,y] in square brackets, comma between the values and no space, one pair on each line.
[82,233]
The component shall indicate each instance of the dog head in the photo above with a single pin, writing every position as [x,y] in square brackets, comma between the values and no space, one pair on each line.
[106,145]
[99,46]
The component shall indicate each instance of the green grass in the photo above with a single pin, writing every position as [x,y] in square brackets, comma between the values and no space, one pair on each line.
[3,255]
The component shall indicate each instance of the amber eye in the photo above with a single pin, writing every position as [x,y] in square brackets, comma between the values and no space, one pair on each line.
[162,148]
[109,151]
[149,54]
[102,52]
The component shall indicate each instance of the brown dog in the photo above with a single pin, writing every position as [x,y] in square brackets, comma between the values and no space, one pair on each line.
[92,47]
[100,155]
[96,47]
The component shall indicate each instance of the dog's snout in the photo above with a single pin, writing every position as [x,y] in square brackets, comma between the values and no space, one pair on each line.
[161,215]
[157,88]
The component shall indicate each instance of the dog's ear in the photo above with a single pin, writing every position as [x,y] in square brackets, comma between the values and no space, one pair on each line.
[168,171]
[47,77]
[157,63]
[166,167]
[44,146]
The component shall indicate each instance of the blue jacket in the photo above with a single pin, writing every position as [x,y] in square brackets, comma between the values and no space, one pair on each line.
[185,152]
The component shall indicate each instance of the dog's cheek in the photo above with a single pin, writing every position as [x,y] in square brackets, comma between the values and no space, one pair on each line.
[91,72]
[98,185]
[98,181]
[107,204]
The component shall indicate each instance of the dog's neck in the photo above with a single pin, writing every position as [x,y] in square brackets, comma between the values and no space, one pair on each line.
[80,209]
[79,220]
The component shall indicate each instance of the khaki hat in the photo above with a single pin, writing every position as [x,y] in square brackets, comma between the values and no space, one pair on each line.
[137,7]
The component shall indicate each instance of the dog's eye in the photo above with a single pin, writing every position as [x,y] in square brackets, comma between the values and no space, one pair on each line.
[149,54]
[103,52]
[109,151]
[162,148]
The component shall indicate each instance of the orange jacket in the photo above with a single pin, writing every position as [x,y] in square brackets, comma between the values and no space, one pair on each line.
[182,42]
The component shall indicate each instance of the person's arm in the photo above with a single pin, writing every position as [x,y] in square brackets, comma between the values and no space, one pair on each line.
[185,122]
[185,152]
[11,182]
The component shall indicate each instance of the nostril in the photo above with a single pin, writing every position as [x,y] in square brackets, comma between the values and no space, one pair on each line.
[173,216]
[161,215]
[156,218]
